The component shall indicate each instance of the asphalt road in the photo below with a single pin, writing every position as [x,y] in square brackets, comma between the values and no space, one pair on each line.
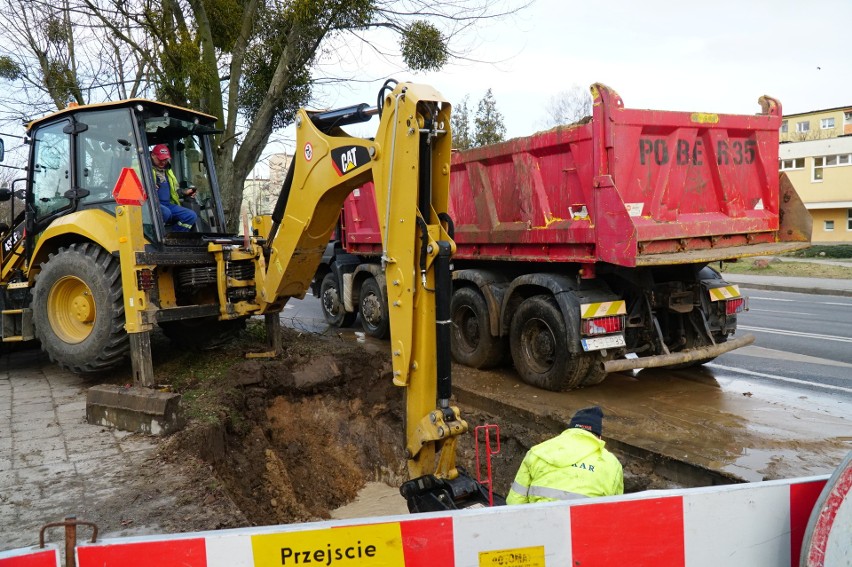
[802,340]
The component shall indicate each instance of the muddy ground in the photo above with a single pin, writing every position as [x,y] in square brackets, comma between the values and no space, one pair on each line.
[293,438]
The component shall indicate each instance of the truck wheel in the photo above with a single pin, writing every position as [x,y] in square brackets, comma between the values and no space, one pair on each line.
[538,342]
[472,342]
[596,374]
[374,309]
[78,309]
[331,302]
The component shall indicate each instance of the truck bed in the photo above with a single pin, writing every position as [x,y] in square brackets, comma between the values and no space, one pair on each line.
[628,187]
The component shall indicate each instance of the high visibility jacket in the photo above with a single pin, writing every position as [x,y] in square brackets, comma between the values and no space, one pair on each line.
[169,197]
[574,464]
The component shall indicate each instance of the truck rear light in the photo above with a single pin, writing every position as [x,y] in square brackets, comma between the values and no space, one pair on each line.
[603,325]
[734,306]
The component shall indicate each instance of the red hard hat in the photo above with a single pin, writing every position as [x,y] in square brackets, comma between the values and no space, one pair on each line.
[162,152]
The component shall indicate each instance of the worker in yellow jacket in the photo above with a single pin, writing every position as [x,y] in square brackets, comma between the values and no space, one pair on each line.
[572,465]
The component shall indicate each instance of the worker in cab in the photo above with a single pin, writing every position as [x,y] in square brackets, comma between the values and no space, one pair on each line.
[572,465]
[175,217]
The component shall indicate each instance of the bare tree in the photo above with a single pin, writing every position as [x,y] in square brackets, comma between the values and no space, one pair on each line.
[251,63]
[569,106]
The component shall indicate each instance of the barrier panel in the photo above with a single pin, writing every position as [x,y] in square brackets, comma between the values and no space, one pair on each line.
[31,557]
[828,538]
[750,525]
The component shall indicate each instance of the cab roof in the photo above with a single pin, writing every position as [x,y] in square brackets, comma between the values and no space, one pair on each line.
[151,106]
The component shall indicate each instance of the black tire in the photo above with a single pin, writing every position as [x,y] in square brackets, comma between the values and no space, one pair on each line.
[472,342]
[373,308]
[538,342]
[596,374]
[204,333]
[78,309]
[331,303]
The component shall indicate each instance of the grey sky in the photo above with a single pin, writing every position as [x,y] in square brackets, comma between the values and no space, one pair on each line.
[698,56]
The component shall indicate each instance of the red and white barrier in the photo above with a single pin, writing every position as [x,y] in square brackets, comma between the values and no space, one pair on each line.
[752,525]
[828,538]
[31,557]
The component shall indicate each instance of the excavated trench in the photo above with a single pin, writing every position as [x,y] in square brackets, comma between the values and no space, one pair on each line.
[294,438]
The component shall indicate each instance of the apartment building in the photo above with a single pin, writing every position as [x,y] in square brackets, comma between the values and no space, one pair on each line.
[816,154]
[260,193]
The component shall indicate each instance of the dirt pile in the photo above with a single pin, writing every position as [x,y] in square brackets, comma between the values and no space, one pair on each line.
[298,436]
[293,438]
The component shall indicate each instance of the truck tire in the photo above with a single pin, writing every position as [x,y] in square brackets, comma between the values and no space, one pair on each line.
[373,307]
[331,303]
[472,342]
[596,374]
[537,338]
[204,333]
[78,309]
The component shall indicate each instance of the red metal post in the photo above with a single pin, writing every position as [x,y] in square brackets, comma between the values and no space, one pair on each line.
[486,429]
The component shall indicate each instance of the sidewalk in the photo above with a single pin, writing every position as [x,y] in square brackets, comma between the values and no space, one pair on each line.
[53,464]
[822,286]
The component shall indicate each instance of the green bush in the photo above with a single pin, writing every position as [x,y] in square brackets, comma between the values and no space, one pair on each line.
[840,251]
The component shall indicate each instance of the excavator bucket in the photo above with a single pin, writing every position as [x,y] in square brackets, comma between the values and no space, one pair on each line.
[429,493]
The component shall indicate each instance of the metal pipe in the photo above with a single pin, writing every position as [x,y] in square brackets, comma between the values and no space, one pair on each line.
[691,355]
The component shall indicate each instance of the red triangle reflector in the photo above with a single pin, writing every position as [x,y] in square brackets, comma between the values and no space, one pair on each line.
[128,189]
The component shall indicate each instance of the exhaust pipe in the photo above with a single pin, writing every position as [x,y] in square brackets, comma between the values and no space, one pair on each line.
[677,357]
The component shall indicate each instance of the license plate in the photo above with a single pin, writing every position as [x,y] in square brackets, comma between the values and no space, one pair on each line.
[599,343]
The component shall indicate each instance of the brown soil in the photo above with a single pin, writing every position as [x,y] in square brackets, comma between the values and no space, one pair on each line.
[293,438]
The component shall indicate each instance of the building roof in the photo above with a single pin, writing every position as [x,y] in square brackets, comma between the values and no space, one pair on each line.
[848,107]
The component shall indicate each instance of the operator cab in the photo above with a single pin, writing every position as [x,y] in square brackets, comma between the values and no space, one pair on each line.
[78,154]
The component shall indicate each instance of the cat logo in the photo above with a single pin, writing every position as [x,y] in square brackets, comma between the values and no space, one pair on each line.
[347,159]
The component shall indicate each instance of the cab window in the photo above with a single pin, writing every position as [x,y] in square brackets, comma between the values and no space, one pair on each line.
[51,170]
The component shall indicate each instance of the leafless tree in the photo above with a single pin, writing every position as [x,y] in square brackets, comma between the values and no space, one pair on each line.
[569,106]
[251,63]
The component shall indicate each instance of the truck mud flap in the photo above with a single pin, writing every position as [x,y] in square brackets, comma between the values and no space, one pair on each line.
[672,359]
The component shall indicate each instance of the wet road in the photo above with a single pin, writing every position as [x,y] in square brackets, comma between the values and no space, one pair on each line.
[802,340]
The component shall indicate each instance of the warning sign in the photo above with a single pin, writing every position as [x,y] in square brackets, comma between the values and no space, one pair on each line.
[373,545]
[128,189]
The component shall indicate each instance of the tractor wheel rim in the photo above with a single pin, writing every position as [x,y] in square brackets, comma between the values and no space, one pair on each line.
[71,309]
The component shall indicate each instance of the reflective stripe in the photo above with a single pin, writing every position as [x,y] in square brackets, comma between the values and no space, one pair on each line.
[607,308]
[724,292]
[545,492]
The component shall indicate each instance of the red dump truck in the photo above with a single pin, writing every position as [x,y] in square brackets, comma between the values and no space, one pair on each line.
[589,248]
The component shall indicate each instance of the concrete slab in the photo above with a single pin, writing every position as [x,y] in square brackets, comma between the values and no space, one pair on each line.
[140,410]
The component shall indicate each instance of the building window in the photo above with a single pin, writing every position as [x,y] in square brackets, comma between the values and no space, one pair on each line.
[848,219]
[803,126]
[819,163]
[826,123]
[828,225]
[784,127]
[788,164]
[847,116]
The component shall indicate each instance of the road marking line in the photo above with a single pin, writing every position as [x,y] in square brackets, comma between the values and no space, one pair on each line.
[832,303]
[775,311]
[796,334]
[771,298]
[779,378]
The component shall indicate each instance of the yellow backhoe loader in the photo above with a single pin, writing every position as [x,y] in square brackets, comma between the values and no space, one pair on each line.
[89,266]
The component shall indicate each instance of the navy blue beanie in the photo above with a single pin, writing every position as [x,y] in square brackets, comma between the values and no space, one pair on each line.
[590,419]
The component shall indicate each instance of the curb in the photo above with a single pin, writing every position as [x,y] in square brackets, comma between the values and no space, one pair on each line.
[795,289]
